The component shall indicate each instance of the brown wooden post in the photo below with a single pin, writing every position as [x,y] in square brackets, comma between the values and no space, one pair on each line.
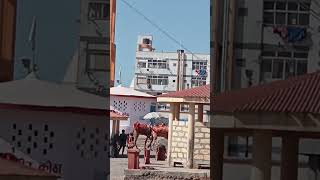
[216,158]
[261,160]
[289,157]
[190,144]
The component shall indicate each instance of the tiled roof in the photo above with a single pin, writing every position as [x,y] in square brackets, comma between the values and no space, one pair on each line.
[115,115]
[12,168]
[297,95]
[198,92]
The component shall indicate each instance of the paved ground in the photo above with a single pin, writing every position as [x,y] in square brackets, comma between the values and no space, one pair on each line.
[118,165]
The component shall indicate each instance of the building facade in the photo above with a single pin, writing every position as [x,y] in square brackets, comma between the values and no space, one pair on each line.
[261,41]
[162,72]
[94,49]
[272,39]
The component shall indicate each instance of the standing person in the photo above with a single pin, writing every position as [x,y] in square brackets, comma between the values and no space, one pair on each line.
[130,141]
[122,141]
[114,144]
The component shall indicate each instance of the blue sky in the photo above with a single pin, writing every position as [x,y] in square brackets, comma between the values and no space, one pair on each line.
[186,20]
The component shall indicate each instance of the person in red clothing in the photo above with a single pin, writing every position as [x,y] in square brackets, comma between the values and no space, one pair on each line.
[130,141]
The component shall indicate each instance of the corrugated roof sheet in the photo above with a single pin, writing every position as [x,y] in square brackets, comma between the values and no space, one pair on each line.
[198,92]
[297,94]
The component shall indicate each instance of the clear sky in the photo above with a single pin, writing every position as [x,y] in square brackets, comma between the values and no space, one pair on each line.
[187,20]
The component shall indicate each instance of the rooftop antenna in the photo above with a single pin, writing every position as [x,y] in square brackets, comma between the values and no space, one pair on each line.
[32,39]
[120,78]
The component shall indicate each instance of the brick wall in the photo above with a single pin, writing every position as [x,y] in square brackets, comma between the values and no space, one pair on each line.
[179,143]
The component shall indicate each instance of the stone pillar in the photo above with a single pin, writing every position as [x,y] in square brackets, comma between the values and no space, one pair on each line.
[171,117]
[289,157]
[190,143]
[261,160]
[113,127]
[200,112]
[216,158]
[118,126]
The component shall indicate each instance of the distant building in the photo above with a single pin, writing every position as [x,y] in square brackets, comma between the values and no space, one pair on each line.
[162,72]
[131,103]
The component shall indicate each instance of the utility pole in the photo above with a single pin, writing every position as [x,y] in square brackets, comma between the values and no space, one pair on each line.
[230,54]
[215,76]
[180,70]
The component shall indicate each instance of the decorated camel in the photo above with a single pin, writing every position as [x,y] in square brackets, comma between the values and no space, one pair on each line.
[151,132]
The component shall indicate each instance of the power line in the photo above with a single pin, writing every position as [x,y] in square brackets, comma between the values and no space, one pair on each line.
[159,28]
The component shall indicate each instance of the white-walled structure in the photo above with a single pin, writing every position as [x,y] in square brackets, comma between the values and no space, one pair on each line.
[56,125]
[131,103]
[157,72]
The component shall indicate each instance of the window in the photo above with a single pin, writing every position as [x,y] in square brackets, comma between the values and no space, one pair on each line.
[158,64]
[198,81]
[46,127]
[199,65]
[286,13]
[303,67]
[277,69]
[153,107]
[98,62]
[240,62]
[283,64]
[99,11]
[243,12]
[142,65]
[146,41]
[158,80]
[141,80]
[184,108]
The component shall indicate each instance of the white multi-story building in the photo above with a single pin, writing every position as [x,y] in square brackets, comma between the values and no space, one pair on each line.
[274,39]
[157,72]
